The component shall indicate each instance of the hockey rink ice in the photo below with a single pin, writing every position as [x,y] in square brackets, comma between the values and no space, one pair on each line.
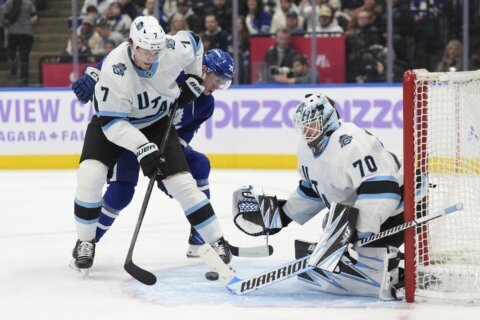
[37,234]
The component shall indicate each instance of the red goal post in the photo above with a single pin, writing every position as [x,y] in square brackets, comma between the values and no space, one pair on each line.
[441,122]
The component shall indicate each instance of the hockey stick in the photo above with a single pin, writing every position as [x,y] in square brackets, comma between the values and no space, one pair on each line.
[243,286]
[135,271]
[149,278]
[252,252]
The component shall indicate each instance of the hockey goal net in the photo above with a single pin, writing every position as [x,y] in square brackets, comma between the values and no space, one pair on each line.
[442,166]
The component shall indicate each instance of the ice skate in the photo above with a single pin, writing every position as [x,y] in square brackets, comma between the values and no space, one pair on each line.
[83,255]
[194,241]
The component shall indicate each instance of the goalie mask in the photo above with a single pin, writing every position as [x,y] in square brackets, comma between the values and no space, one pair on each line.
[315,120]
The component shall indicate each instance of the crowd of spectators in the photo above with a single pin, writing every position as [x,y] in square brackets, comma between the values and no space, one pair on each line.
[426,33]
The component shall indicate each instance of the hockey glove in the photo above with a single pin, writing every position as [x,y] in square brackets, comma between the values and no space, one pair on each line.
[151,160]
[191,89]
[258,214]
[85,86]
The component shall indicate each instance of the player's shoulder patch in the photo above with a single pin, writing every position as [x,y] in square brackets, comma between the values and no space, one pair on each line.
[170,43]
[119,68]
[344,140]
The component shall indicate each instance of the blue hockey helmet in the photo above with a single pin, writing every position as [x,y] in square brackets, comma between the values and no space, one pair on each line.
[315,119]
[221,64]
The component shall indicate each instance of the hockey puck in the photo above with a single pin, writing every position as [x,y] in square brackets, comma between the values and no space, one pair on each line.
[211,275]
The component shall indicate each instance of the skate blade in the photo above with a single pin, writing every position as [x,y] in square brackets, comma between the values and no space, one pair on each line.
[192,251]
[72,265]
[85,273]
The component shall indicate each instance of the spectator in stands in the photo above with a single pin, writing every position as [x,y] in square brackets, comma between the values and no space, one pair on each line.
[243,52]
[93,11]
[109,46]
[306,12]
[370,6]
[200,7]
[3,50]
[117,20]
[169,7]
[106,35]
[475,60]
[350,5]
[84,53]
[223,14]
[374,65]
[299,74]
[452,59]
[177,23]
[293,25]
[403,30]
[279,19]
[278,56]
[194,22]
[88,33]
[257,19]
[130,8]
[214,36]
[101,5]
[327,23]
[20,15]
[149,9]
[361,43]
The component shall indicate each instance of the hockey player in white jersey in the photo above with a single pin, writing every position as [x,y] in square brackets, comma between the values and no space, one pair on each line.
[347,170]
[133,96]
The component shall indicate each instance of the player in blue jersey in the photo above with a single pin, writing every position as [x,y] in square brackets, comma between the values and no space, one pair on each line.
[188,119]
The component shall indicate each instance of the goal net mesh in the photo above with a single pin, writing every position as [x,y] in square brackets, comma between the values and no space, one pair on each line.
[447,170]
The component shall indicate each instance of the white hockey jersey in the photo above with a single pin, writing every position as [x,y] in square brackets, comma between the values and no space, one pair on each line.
[128,98]
[354,169]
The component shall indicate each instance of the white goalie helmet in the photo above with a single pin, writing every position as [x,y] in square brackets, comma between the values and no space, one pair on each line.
[146,33]
[315,119]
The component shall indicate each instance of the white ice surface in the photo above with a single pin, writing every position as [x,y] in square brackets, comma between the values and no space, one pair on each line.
[37,235]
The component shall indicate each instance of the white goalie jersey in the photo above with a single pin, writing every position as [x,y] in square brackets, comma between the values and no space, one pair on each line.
[355,170]
[128,98]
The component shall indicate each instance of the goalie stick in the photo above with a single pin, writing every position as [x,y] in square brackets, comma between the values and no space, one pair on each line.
[243,286]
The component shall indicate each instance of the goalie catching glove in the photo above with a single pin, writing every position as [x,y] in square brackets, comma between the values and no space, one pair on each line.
[258,214]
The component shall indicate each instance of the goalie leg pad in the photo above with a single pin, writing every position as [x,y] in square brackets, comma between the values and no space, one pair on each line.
[371,276]
[335,241]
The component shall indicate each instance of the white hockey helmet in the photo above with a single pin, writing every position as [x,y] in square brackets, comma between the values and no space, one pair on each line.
[147,33]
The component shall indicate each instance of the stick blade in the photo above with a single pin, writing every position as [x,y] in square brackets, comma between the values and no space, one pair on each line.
[252,252]
[215,263]
[140,274]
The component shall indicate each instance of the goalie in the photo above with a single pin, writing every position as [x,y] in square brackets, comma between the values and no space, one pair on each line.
[347,170]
